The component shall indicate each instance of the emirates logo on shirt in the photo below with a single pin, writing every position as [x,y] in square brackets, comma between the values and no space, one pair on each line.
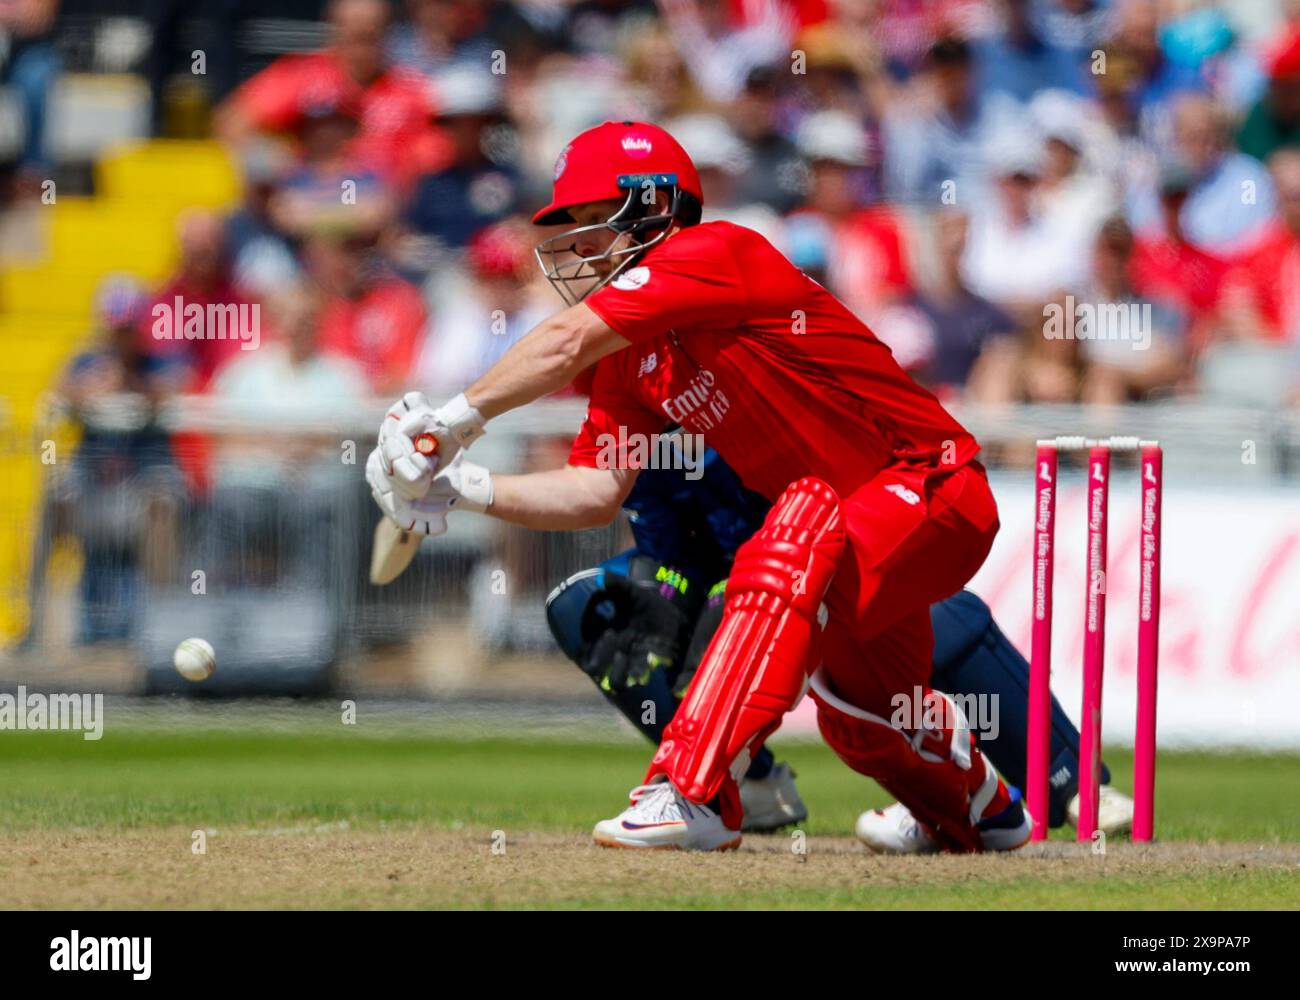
[637,146]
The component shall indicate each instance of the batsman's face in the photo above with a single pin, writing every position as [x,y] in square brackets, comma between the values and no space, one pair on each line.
[595,242]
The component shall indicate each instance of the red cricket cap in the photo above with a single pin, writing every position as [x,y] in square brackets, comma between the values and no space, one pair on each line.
[606,161]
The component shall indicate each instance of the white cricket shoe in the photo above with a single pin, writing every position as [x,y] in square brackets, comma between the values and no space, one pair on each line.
[660,818]
[894,830]
[1114,811]
[771,802]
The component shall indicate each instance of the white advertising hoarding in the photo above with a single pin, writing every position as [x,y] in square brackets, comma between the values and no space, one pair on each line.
[1230,617]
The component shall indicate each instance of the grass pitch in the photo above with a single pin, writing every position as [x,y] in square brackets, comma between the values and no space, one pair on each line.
[322,815]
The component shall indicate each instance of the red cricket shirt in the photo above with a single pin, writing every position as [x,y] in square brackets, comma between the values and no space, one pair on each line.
[733,342]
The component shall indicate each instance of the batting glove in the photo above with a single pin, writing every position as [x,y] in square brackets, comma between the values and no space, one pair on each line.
[426,515]
[454,426]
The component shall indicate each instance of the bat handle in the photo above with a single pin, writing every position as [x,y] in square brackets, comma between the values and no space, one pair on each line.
[426,444]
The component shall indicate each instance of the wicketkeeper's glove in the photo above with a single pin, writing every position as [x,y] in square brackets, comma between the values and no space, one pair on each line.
[646,632]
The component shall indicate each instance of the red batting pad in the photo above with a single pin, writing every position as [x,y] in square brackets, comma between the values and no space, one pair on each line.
[756,666]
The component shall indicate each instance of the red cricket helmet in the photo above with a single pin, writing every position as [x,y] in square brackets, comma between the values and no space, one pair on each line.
[632,161]
[608,160]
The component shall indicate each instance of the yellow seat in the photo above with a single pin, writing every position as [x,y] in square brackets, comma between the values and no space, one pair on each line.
[171,171]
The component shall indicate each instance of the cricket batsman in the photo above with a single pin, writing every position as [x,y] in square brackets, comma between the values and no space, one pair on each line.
[879,508]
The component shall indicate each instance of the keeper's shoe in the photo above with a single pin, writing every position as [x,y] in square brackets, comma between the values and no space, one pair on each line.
[894,830]
[659,818]
[1114,811]
[771,802]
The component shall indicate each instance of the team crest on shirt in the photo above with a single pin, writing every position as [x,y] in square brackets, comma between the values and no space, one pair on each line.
[632,279]
[648,364]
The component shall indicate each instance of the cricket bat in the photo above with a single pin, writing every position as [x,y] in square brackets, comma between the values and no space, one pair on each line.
[392,552]
[394,547]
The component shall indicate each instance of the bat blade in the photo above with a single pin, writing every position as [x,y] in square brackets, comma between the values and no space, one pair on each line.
[392,552]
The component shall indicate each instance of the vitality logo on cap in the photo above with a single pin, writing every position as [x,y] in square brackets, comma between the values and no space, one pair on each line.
[637,146]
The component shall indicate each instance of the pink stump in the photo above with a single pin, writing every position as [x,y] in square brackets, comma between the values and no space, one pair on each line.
[1040,659]
[1144,757]
[1094,641]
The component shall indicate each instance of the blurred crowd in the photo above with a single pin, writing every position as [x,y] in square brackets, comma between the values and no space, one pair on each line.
[1093,201]
[955,171]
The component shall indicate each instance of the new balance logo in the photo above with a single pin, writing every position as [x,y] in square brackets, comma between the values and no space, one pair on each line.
[903,493]
[648,364]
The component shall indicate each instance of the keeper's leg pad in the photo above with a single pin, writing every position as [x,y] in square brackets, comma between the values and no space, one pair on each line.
[757,665]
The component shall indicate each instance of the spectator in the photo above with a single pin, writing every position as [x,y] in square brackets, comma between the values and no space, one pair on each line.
[863,248]
[1015,255]
[1073,197]
[368,314]
[330,187]
[1230,200]
[281,498]
[1076,26]
[835,76]
[907,29]
[31,66]
[1120,150]
[1151,81]
[122,492]
[289,370]
[1018,61]
[597,27]
[962,329]
[261,257]
[394,138]
[659,79]
[201,289]
[719,51]
[1274,120]
[444,35]
[1034,368]
[479,185]
[1133,348]
[1266,279]
[1170,269]
[777,176]
[723,161]
[934,137]
[470,329]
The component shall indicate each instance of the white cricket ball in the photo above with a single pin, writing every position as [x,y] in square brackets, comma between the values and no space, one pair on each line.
[195,659]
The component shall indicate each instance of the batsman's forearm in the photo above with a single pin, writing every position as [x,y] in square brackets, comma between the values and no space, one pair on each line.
[546,360]
[555,500]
